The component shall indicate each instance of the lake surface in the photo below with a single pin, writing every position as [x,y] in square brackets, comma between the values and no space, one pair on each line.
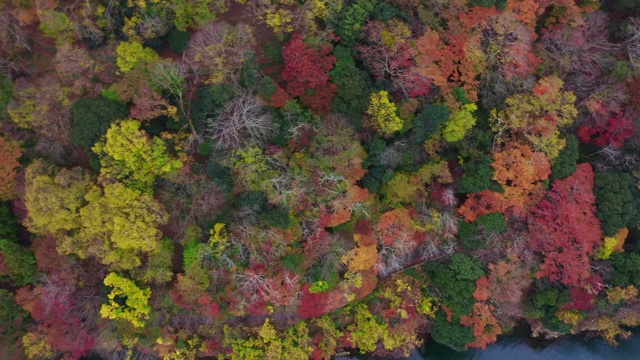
[518,346]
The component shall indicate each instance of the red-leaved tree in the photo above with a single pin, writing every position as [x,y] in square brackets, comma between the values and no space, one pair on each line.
[564,228]
[614,132]
[306,72]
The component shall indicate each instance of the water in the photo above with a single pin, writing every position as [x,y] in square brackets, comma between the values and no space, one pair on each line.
[518,346]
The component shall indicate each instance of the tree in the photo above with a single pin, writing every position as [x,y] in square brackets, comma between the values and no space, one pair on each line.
[384,114]
[119,226]
[220,50]
[508,282]
[6,93]
[519,170]
[306,73]
[474,235]
[365,330]
[330,335]
[209,103]
[17,263]
[352,85]
[243,119]
[456,283]
[612,133]
[565,163]
[75,67]
[478,176]
[578,53]
[427,122]
[405,188]
[405,310]
[12,318]
[43,106]
[268,343]
[517,166]
[132,53]
[126,153]
[538,116]
[15,43]
[190,289]
[315,304]
[564,228]
[196,13]
[126,301]
[63,322]
[251,166]
[618,201]
[149,104]
[115,224]
[386,51]
[158,269]
[450,332]
[36,346]
[352,18]
[395,225]
[485,326]
[54,198]
[170,77]
[613,243]
[57,25]
[460,123]
[8,223]
[448,66]
[626,268]
[91,117]
[10,153]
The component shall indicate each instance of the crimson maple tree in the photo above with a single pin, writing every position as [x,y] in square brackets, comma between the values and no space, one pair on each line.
[614,132]
[306,73]
[564,228]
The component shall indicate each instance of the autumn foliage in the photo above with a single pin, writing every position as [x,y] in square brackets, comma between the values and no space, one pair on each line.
[9,154]
[306,73]
[565,230]
[301,179]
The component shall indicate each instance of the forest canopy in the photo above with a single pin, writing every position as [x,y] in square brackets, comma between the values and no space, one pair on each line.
[272,179]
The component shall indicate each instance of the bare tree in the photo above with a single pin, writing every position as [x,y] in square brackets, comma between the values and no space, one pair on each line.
[633,43]
[393,258]
[613,157]
[192,200]
[13,43]
[244,118]
[583,49]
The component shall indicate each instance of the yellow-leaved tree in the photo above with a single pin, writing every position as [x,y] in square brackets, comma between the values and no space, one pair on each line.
[54,197]
[267,343]
[126,301]
[128,154]
[115,224]
[132,54]
[384,114]
[119,227]
[460,123]
[538,116]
